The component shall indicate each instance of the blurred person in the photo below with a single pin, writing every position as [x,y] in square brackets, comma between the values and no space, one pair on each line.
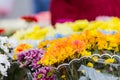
[5,7]
[41,5]
[70,10]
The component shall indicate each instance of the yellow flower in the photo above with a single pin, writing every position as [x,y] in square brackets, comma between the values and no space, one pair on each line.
[95,58]
[110,60]
[35,33]
[90,65]
[63,76]
[79,25]
[43,44]
[85,53]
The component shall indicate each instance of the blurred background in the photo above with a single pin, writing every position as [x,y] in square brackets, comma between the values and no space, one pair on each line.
[50,12]
[20,7]
[12,11]
[17,8]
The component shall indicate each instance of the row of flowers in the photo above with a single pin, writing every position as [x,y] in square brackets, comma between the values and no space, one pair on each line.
[78,45]
[67,28]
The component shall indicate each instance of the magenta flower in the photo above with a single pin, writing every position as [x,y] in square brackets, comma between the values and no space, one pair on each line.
[44,73]
[30,58]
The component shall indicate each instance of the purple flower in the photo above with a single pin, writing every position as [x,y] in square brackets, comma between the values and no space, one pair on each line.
[44,73]
[21,57]
[30,58]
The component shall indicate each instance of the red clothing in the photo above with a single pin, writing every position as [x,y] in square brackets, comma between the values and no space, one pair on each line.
[83,9]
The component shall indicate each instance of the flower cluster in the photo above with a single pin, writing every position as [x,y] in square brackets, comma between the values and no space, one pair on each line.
[21,47]
[36,32]
[58,50]
[32,33]
[80,25]
[7,46]
[30,58]
[44,73]
[97,40]
[4,64]
[77,45]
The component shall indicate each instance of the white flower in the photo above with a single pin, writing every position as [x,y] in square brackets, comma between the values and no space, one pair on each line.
[3,44]
[4,64]
[7,45]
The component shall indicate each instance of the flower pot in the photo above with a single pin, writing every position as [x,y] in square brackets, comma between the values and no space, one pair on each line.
[102,67]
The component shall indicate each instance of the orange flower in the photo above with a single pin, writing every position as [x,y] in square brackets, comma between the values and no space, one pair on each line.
[78,45]
[61,49]
[20,48]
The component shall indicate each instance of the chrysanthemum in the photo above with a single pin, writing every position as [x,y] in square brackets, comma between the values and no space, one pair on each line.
[30,58]
[20,48]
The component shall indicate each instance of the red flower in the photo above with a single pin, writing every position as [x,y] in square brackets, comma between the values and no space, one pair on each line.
[30,18]
[2,31]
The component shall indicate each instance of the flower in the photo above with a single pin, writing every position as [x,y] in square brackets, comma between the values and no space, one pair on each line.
[110,60]
[95,58]
[7,45]
[85,53]
[30,58]
[90,64]
[2,31]
[43,44]
[44,73]
[20,48]
[78,45]
[32,33]
[4,44]
[79,25]
[29,18]
[4,64]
